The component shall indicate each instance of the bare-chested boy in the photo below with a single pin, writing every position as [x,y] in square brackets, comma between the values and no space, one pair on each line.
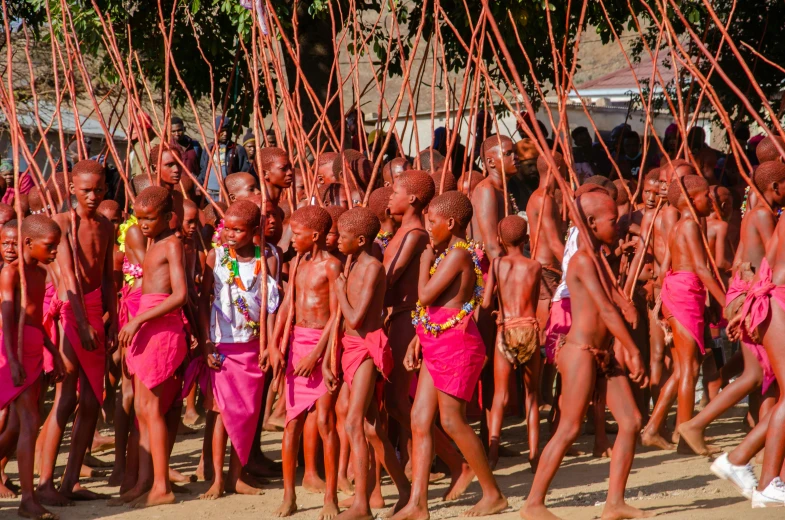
[365,356]
[683,297]
[412,193]
[499,159]
[87,290]
[316,307]
[585,351]
[155,339]
[21,365]
[763,318]
[516,281]
[757,228]
[450,290]
[547,232]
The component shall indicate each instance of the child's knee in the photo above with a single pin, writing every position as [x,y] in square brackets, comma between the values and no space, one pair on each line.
[370,431]
[631,424]
[452,423]
[325,422]
[353,425]
[501,398]
[421,425]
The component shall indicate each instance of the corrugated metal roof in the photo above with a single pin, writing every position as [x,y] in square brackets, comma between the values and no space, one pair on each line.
[47,114]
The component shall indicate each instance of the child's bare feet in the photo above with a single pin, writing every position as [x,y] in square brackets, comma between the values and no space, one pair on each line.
[655,440]
[215,491]
[241,487]
[94,462]
[402,501]
[178,478]
[100,443]
[313,484]
[6,492]
[49,496]
[623,511]
[356,513]
[191,418]
[153,498]
[602,453]
[413,512]
[376,500]
[116,478]
[695,439]
[488,506]
[346,502]
[329,511]
[459,483]
[81,494]
[288,508]
[129,496]
[345,486]
[204,471]
[30,508]
[538,512]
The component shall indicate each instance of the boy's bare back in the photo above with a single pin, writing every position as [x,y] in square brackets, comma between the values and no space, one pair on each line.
[367,274]
[520,290]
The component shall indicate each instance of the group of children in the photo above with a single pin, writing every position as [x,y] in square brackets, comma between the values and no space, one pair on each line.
[355,314]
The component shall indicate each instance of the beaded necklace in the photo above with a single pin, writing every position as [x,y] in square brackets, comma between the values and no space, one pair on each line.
[229,260]
[384,237]
[420,315]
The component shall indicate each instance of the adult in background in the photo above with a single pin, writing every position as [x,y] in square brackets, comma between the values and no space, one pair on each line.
[223,157]
[191,149]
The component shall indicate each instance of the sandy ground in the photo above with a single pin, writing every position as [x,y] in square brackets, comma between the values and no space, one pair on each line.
[672,485]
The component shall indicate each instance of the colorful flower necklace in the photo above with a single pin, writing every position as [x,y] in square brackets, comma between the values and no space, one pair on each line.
[217,234]
[384,237]
[744,203]
[229,260]
[123,231]
[420,315]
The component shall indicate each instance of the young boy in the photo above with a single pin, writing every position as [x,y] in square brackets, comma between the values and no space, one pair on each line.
[684,296]
[585,351]
[365,355]
[324,168]
[277,172]
[86,291]
[763,320]
[452,353]
[156,345]
[241,185]
[516,281]
[21,365]
[316,306]
[412,193]
[757,228]
[229,312]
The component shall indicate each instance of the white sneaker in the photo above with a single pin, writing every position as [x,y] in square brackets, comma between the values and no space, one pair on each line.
[772,496]
[740,476]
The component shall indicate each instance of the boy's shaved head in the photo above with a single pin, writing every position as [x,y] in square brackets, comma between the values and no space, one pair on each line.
[326,158]
[512,230]
[236,180]
[450,184]
[767,150]
[768,173]
[428,165]
[313,217]
[589,188]
[159,149]
[211,215]
[269,154]
[605,182]
[359,165]
[246,211]
[6,213]
[379,200]
[492,143]
[653,176]
[543,165]
[141,182]
[88,167]
[453,204]
[156,197]
[692,185]
[679,168]
[360,221]
[622,197]
[419,184]
[335,213]
[38,226]
[108,207]
[595,203]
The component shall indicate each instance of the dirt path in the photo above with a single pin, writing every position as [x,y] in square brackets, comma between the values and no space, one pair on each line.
[674,486]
